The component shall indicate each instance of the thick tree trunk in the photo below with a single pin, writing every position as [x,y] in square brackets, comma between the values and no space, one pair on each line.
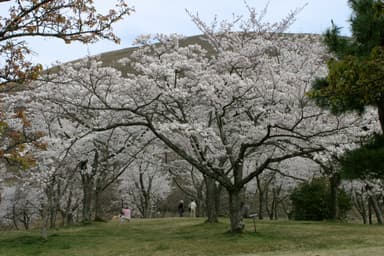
[219,188]
[269,205]
[380,110]
[334,182]
[67,212]
[361,206]
[52,216]
[364,217]
[87,200]
[376,209]
[54,207]
[26,219]
[260,212]
[97,205]
[211,193]
[200,200]
[88,183]
[236,220]
[14,216]
[44,213]
[370,212]
[147,206]
[276,194]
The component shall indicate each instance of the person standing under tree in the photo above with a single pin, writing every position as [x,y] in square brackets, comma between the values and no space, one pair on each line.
[125,214]
[192,208]
[180,208]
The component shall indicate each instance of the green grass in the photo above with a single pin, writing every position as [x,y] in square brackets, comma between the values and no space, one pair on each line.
[176,236]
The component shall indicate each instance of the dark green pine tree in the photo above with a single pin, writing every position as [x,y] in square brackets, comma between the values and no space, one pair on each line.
[356,80]
[356,74]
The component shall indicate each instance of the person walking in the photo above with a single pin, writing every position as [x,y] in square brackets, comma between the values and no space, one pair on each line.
[180,208]
[192,207]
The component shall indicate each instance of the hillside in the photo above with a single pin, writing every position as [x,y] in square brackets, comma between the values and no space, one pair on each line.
[110,58]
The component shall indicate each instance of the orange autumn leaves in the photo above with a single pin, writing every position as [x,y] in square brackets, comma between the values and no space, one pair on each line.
[18,145]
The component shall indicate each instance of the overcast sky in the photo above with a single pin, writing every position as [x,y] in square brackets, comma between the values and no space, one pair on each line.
[169,16]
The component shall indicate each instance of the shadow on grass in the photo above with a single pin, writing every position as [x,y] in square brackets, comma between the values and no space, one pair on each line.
[21,241]
[33,245]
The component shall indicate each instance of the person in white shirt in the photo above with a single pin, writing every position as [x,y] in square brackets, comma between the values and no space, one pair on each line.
[192,207]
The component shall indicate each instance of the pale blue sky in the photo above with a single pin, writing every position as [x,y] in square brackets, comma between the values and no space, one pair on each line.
[169,16]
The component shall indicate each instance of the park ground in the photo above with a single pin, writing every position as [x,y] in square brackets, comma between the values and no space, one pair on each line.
[187,236]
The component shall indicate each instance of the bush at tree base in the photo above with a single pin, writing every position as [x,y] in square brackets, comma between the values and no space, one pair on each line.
[312,201]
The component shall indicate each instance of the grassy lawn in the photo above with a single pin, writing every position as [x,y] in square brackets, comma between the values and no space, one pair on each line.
[176,236]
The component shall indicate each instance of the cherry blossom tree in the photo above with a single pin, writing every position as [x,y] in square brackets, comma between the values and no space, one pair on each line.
[271,193]
[236,96]
[52,174]
[118,152]
[147,183]
[366,196]
[196,186]
[21,208]
[76,163]
[65,20]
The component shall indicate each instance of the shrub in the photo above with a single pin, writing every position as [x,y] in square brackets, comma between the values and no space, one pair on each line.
[312,201]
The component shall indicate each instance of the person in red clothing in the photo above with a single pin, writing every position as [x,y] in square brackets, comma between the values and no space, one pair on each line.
[125,214]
